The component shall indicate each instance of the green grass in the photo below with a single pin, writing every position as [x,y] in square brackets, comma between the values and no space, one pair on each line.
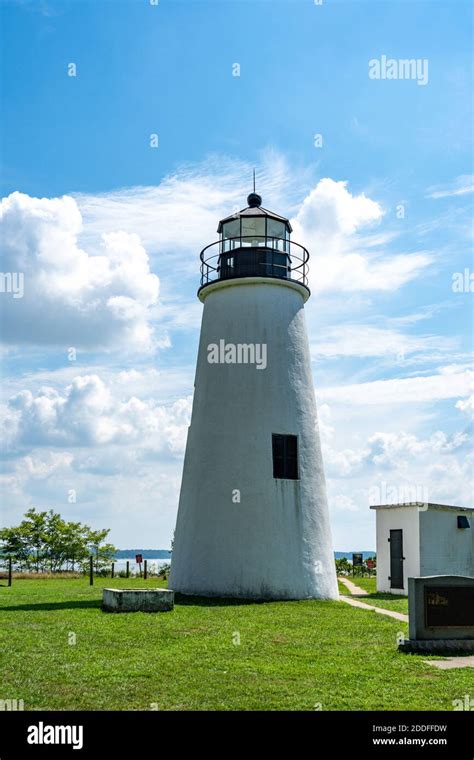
[342,588]
[292,655]
[377,599]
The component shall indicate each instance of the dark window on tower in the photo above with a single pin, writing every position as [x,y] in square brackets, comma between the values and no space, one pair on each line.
[285,456]
[463,522]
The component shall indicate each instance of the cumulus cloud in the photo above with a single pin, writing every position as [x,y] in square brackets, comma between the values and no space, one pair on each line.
[87,276]
[331,208]
[466,405]
[179,216]
[329,222]
[394,448]
[116,432]
[99,299]
[395,467]
[87,414]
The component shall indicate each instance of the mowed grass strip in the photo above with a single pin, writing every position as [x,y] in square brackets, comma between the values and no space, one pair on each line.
[291,655]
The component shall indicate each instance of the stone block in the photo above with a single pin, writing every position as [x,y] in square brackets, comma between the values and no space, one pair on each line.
[137,600]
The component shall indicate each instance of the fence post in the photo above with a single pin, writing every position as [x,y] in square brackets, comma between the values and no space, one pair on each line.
[91,570]
[113,570]
[128,568]
[10,571]
[145,570]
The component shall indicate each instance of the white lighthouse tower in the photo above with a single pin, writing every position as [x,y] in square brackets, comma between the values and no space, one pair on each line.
[253,517]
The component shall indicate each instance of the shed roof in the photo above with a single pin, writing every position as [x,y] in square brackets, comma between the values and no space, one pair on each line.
[419,504]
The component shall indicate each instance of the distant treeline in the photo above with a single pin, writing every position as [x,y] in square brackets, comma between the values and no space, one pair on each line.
[165,554]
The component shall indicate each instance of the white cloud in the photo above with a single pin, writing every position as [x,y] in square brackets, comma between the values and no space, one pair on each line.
[71,297]
[405,390]
[394,448]
[342,503]
[179,217]
[466,405]
[330,208]
[115,430]
[88,282]
[40,467]
[88,414]
[462,185]
[365,340]
[328,223]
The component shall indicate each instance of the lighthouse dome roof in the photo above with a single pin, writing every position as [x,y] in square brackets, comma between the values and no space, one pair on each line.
[254,209]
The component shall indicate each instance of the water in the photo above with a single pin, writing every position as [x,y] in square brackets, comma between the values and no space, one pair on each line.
[152,563]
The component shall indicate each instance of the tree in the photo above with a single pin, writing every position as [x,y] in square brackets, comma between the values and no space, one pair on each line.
[45,540]
[103,553]
[343,566]
[16,545]
[35,527]
[76,549]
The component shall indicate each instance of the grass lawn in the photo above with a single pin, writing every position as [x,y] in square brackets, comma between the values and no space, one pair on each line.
[292,655]
[377,599]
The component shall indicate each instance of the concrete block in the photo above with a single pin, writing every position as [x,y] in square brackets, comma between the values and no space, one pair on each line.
[137,600]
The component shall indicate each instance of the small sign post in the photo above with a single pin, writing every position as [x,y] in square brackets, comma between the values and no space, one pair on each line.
[139,560]
[357,561]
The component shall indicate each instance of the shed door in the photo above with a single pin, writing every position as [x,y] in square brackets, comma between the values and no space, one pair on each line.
[396,558]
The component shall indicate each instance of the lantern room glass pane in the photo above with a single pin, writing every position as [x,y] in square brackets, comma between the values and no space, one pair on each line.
[231,229]
[277,234]
[253,230]
[230,235]
[275,229]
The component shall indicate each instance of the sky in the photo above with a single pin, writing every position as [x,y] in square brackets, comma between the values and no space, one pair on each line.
[128,129]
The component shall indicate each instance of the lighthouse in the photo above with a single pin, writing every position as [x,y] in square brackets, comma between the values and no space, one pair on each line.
[253,517]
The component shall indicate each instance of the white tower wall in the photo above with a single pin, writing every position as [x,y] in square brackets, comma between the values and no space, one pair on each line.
[276,542]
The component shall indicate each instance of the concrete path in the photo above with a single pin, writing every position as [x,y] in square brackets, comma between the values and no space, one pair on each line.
[355,590]
[453,662]
[380,610]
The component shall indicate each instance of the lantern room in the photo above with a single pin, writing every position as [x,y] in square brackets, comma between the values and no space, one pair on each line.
[254,242]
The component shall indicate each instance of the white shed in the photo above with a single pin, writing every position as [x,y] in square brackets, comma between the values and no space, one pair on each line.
[419,539]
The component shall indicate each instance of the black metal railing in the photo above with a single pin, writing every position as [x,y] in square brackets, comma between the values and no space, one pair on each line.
[256,256]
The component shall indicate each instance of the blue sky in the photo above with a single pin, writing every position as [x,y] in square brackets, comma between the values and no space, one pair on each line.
[384,205]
